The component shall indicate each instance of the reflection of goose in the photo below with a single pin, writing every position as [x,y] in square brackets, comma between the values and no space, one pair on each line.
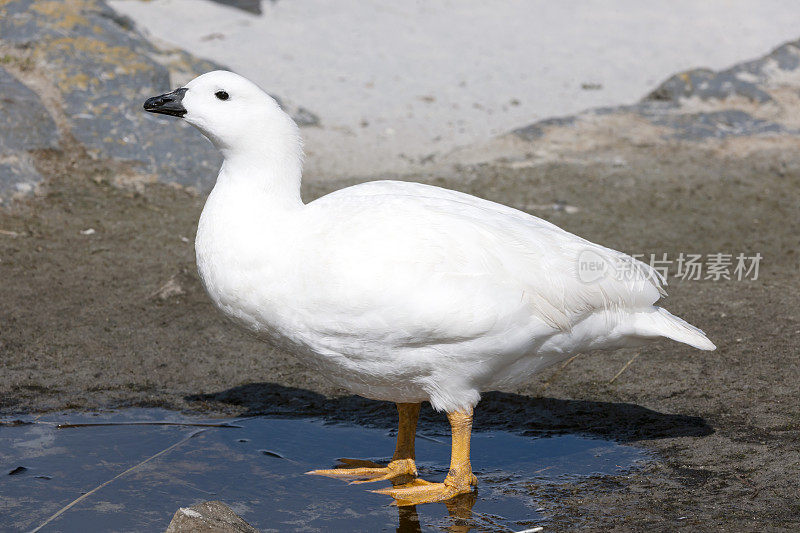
[459,508]
[400,291]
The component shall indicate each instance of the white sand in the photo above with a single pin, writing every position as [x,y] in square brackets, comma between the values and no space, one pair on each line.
[396,81]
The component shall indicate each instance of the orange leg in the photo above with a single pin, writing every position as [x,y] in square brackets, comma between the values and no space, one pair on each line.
[460,478]
[400,468]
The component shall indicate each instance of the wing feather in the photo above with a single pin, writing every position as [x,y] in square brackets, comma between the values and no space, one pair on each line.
[460,237]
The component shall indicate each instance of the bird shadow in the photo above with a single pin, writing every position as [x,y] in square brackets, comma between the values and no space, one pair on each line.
[533,416]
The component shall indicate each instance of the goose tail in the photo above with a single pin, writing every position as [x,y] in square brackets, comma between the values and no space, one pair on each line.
[661,323]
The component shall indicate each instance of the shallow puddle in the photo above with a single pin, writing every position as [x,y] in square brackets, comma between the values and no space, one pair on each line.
[258,468]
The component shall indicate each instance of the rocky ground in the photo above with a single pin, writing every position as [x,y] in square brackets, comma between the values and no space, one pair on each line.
[101,306]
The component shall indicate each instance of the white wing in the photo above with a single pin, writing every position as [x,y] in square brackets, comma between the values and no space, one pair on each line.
[447,266]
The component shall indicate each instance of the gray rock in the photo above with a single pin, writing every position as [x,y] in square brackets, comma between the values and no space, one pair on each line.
[251,6]
[748,79]
[25,23]
[24,125]
[305,118]
[707,84]
[208,517]
[769,69]
[104,71]
[687,126]
[537,129]
[24,120]
[717,125]
[667,106]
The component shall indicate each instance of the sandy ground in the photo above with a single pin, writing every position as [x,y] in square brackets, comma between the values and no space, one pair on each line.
[117,317]
[397,85]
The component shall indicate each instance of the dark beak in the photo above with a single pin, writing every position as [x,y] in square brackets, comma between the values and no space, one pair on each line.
[167,104]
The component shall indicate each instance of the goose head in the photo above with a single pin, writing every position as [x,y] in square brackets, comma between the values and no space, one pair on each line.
[235,114]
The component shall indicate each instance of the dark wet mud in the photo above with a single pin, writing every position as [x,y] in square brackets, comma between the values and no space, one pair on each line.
[257,466]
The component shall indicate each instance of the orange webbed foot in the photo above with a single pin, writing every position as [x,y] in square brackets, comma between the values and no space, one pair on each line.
[361,471]
[420,491]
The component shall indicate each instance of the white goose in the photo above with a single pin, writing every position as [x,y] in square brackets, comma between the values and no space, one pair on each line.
[400,291]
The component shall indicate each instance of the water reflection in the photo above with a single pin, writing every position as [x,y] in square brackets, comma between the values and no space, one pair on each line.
[271,490]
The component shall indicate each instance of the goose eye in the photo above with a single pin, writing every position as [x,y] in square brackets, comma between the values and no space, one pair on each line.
[222,95]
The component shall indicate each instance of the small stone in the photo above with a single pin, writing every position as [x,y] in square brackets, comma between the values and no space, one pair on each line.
[251,6]
[208,517]
[170,289]
[305,118]
[213,36]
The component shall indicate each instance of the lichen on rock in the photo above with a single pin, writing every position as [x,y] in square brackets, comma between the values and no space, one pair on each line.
[104,69]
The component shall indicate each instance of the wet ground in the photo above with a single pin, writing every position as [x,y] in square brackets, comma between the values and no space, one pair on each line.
[152,465]
[115,317]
